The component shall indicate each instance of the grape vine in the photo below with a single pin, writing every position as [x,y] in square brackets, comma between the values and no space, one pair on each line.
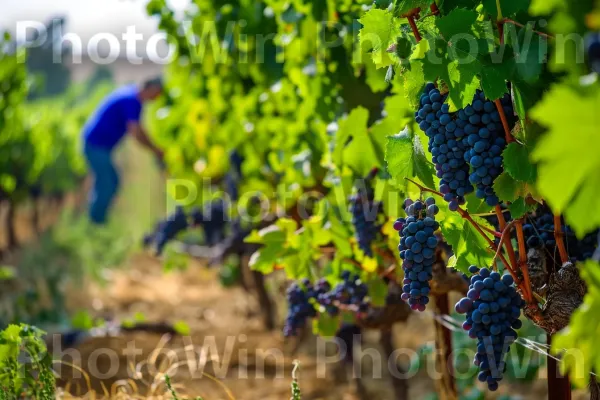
[483,130]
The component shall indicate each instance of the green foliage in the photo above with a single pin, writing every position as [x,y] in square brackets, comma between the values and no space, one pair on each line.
[32,378]
[379,32]
[69,251]
[568,164]
[469,247]
[296,393]
[304,111]
[578,342]
[406,157]
[39,141]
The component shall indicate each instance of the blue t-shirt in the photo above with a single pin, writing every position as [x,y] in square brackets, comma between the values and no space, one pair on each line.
[108,124]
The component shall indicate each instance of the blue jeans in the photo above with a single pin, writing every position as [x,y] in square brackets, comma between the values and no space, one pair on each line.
[106,182]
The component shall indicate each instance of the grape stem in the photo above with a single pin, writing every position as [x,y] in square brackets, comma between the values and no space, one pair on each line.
[520,25]
[434,9]
[527,292]
[505,236]
[500,25]
[509,247]
[509,137]
[467,216]
[492,232]
[413,26]
[559,238]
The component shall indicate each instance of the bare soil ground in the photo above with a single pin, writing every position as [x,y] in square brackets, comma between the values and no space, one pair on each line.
[227,341]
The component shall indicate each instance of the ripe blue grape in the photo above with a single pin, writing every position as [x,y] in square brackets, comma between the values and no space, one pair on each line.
[539,233]
[486,143]
[300,309]
[592,47]
[212,219]
[492,308]
[364,218]
[445,144]
[417,250]
[305,300]
[167,230]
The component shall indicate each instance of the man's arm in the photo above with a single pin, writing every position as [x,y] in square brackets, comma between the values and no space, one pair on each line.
[141,136]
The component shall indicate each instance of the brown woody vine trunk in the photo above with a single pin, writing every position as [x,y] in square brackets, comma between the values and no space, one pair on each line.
[10,226]
[399,384]
[559,387]
[264,300]
[446,386]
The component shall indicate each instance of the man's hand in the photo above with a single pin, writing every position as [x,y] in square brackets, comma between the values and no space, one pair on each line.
[141,136]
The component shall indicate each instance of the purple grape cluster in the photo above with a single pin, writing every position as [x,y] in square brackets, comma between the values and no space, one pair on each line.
[539,232]
[493,307]
[167,230]
[301,306]
[304,300]
[417,250]
[484,134]
[351,291]
[213,220]
[446,145]
[364,218]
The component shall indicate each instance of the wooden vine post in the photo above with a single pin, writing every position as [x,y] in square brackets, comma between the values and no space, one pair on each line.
[446,386]
[559,386]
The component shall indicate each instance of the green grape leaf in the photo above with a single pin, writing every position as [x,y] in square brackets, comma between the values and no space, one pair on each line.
[469,247]
[406,158]
[420,50]
[291,15]
[269,234]
[404,6]
[507,7]
[265,259]
[529,52]
[379,31]
[340,236]
[580,337]
[365,151]
[446,6]
[355,125]
[544,7]
[567,154]
[326,325]
[519,103]
[506,187]
[459,76]
[517,163]
[414,82]
[476,205]
[493,79]
[404,47]
[458,22]
[518,208]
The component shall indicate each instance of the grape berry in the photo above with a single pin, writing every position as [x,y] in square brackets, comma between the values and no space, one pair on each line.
[466,146]
[304,300]
[167,230]
[446,145]
[417,250]
[493,307]
[539,232]
[484,134]
[364,218]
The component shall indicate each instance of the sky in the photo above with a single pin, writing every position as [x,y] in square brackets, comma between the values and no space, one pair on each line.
[84,17]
